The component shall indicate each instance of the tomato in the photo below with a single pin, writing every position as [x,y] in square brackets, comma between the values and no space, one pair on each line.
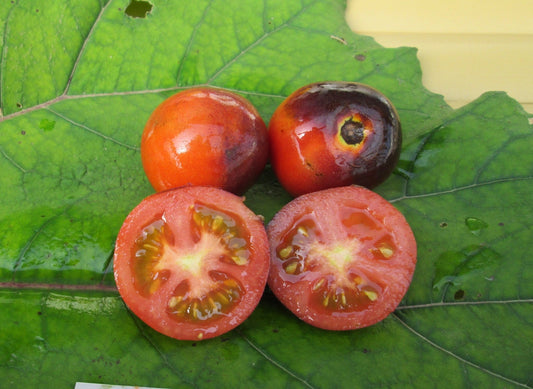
[330,134]
[341,258]
[204,136]
[192,262]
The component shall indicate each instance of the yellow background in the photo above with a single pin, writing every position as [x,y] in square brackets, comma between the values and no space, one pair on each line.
[465,47]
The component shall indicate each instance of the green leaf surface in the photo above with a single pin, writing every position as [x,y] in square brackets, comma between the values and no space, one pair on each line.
[79,79]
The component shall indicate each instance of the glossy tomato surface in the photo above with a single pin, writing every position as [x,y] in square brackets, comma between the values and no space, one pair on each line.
[341,258]
[204,136]
[331,134]
[192,262]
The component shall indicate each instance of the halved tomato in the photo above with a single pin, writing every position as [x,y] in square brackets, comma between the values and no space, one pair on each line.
[341,258]
[192,262]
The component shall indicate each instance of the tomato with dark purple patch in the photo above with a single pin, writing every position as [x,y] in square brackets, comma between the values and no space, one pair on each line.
[330,134]
[341,258]
[192,262]
[204,136]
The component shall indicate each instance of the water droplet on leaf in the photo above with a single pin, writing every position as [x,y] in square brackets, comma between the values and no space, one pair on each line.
[475,225]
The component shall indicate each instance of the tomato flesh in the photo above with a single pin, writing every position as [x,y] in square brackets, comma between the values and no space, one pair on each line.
[192,262]
[341,258]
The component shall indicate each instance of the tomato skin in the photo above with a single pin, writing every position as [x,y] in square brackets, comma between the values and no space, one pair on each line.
[341,258]
[192,262]
[310,151]
[204,136]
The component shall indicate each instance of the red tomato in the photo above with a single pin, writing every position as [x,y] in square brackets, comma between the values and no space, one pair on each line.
[192,262]
[332,134]
[204,136]
[341,258]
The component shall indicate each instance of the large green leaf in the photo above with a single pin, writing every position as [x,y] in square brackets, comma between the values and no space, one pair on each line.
[78,81]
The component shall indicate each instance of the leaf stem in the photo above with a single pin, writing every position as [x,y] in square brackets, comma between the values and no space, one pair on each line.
[53,286]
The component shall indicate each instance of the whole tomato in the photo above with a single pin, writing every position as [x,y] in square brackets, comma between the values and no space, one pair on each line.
[204,136]
[331,134]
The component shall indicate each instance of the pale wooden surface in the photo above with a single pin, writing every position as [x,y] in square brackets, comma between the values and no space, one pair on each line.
[465,47]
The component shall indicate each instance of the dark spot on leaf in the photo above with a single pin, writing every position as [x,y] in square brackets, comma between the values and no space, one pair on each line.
[459,295]
[138,8]
[23,132]
[360,57]
[39,313]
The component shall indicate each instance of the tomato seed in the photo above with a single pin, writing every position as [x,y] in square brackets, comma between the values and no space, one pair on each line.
[218,224]
[291,268]
[343,298]
[239,260]
[174,301]
[386,251]
[372,296]
[285,252]
[325,302]
[302,230]
[319,284]
[223,298]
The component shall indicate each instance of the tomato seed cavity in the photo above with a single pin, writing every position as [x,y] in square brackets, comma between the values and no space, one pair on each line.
[219,301]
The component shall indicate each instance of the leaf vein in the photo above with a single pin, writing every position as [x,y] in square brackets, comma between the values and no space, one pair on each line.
[463,303]
[458,357]
[92,131]
[83,46]
[461,188]
[270,359]
[260,39]
[3,58]
[29,243]
[190,42]
[12,161]
[152,343]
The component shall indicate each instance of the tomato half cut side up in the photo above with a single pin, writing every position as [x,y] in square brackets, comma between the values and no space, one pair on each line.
[192,262]
[341,258]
